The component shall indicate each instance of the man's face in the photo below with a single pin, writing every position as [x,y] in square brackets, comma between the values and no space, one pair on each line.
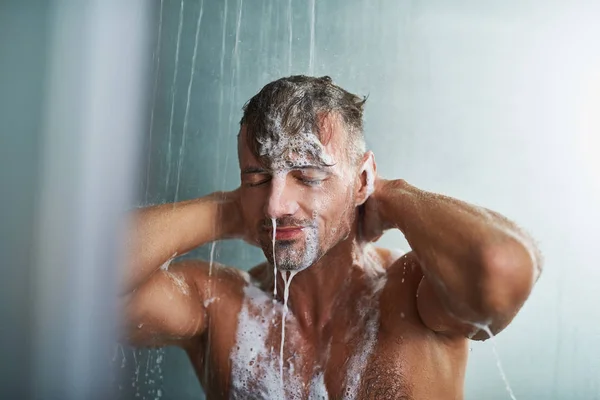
[312,206]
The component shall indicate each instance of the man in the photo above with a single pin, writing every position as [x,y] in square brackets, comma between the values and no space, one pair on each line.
[361,321]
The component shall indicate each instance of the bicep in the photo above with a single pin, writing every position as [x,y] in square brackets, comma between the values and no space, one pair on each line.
[433,313]
[166,309]
[436,317]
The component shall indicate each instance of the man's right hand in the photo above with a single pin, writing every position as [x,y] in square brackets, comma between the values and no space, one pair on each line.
[231,220]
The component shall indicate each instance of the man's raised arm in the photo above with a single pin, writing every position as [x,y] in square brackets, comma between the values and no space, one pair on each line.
[159,233]
[166,306]
[479,267]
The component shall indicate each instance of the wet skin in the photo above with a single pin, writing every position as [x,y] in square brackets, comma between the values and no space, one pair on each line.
[409,360]
[426,299]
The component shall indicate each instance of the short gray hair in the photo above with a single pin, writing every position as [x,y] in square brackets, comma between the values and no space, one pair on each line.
[298,103]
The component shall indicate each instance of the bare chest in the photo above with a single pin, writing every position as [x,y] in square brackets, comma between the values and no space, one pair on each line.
[274,359]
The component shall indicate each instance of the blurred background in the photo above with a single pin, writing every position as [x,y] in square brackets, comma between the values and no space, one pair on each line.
[110,105]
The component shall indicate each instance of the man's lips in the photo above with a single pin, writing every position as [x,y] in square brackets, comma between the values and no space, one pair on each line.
[286,232]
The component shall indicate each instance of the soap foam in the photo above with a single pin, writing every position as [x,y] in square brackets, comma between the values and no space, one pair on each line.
[252,368]
[165,266]
[318,389]
[303,145]
[178,281]
[360,358]
[368,307]
[258,372]
[255,370]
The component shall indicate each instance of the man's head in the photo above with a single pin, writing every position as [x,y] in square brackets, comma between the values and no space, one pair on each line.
[304,167]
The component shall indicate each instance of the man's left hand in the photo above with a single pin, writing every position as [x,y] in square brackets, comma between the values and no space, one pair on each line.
[373,222]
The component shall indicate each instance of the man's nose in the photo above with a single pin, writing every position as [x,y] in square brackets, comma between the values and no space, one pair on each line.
[282,201]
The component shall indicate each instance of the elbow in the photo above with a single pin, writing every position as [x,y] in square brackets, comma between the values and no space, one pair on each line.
[509,272]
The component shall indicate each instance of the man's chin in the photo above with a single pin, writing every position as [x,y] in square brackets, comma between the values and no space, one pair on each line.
[287,263]
[292,254]
[295,269]
[295,263]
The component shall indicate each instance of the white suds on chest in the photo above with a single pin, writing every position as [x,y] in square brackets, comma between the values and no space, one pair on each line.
[255,369]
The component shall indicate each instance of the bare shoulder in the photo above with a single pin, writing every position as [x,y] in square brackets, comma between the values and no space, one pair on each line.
[399,302]
[172,305]
[201,272]
[400,264]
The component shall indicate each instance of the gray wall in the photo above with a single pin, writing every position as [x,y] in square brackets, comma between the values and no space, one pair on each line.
[495,103]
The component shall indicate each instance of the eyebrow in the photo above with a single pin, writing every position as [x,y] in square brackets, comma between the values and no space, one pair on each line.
[259,170]
[307,167]
[254,170]
[318,167]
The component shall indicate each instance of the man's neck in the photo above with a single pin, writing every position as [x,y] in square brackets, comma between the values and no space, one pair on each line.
[315,290]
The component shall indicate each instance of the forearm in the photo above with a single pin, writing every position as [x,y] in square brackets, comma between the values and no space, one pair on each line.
[477,261]
[159,233]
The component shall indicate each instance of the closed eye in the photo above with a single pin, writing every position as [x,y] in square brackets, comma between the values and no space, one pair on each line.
[262,182]
[256,179]
[310,182]
[311,176]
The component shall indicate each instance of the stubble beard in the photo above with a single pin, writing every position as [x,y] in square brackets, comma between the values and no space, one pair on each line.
[295,255]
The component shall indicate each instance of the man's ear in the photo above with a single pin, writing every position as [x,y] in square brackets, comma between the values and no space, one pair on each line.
[366,178]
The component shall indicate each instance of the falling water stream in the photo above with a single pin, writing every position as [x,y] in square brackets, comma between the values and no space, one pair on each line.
[311,57]
[274,261]
[154,90]
[290,36]
[173,94]
[287,277]
[487,330]
[187,102]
